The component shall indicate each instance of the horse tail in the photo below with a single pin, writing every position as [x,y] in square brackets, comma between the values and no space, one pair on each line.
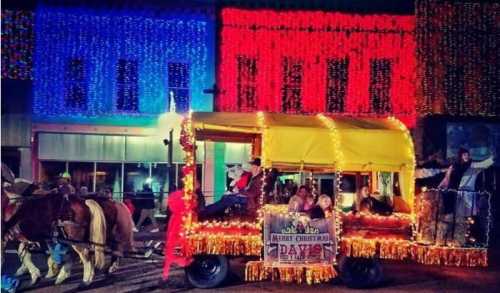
[97,232]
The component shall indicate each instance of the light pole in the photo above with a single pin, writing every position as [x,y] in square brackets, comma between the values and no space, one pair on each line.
[171,172]
[170,122]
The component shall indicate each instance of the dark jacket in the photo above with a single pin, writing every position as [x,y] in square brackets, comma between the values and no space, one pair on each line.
[253,192]
[200,200]
[146,199]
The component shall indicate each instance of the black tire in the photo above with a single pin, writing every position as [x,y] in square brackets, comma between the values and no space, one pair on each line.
[360,273]
[208,271]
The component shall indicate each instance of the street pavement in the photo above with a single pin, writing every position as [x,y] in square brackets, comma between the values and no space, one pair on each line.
[143,275]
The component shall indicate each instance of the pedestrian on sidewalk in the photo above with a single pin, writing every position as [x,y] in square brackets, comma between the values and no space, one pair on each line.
[147,206]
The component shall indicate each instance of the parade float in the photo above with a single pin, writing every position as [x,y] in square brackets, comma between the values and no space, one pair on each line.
[289,246]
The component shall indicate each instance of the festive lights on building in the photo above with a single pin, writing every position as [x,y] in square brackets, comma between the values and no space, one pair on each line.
[457,68]
[298,60]
[131,62]
[17,44]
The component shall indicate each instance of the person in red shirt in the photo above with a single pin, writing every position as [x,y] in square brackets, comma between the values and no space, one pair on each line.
[247,198]
[174,242]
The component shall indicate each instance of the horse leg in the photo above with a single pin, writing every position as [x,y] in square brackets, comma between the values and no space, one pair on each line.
[53,268]
[65,270]
[115,263]
[22,269]
[88,267]
[27,264]
[2,250]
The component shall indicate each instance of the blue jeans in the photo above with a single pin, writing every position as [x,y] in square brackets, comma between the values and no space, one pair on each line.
[225,202]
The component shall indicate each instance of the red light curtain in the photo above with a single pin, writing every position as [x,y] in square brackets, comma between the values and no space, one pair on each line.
[458,53]
[313,38]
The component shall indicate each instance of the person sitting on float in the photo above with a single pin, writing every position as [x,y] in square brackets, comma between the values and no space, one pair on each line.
[325,203]
[370,204]
[304,197]
[361,194]
[247,198]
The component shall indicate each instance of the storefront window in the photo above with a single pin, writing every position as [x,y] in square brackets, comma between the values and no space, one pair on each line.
[159,176]
[199,173]
[179,174]
[50,170]
[136,175]
[82,175]
[159,184]
[108,176]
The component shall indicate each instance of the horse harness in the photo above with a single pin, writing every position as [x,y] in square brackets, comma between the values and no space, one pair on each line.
[64,217]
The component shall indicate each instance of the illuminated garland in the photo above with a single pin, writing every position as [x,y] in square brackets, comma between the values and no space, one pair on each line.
[310,274]
[410,171]
[356,224]
[261,122]
[403,249]
[458,57]
[313,62]
[339,163]
[426,208]
[208,225]
[224,244]
[17,44]
[212,237]
[170,52]
[187,143]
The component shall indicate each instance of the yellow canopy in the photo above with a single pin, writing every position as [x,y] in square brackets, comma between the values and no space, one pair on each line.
[319,141]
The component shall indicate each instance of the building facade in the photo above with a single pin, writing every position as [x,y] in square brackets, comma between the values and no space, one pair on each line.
[101,81]
[17,86]
[317,62]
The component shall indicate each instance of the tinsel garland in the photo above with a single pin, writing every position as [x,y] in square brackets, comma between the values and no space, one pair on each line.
[358,247]
[248,245]
[310,274]
[450,256]
[403,249]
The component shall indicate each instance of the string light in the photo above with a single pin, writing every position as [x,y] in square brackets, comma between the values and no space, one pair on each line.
[426,213]
[457,72]
[17,44]
[339,162]
[187,143]
[170,54]
[298,59]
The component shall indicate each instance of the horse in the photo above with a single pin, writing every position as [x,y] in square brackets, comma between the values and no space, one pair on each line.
[119,227]
[82,223]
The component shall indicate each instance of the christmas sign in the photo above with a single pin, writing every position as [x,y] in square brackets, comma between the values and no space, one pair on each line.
[296,239]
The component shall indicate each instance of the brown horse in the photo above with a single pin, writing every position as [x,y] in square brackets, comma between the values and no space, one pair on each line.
[81,222]
[119,226]
[119,237]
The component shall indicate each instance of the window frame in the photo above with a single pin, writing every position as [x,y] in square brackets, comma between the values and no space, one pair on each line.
[172,88]
[73,81]
[131,84]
